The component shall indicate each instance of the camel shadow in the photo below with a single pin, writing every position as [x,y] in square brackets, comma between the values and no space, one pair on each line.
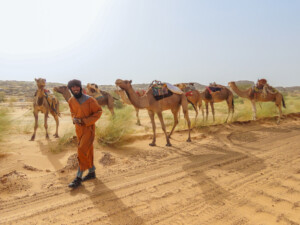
[53,158]
[109,204]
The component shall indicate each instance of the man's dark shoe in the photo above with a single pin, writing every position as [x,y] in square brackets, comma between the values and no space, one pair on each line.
[75,183]
[89,176]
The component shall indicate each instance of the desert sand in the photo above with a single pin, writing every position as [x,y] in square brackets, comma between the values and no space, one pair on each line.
[238,173]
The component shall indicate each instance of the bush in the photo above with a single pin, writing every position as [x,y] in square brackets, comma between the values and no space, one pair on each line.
[118,128]
[66,140]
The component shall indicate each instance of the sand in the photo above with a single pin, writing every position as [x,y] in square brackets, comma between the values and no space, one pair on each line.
[238,173]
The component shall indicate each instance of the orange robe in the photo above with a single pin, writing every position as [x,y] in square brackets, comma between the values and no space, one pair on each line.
[89,111]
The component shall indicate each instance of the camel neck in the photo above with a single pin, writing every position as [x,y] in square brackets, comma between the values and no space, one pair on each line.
[241,93]
[138,102]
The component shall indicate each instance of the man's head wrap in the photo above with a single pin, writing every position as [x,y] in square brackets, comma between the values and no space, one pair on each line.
[73,83]
[77,83]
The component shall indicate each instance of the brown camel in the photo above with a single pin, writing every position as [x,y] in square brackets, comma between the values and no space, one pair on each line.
[105,99]
[64,90]
[224,94]
[259,97]
[44,102]
[102,97]
[193,96]
[153,106]
[125,100]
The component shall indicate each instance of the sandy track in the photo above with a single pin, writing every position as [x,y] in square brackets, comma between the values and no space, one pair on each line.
[242,173]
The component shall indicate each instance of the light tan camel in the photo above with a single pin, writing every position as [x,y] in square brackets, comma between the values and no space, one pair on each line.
[106,98]
[153,106]
[45,103]
[214,97]
[194,97]
[259,97]
[125,100]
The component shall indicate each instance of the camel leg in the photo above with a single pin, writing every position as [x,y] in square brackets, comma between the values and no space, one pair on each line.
[151,115]
[36,118]
[279,109]
[163,126]
[212,110]
[201,108]
[232,108]
[46,124]
[175,115]
[137,116]
[196,110]
[206,107]
[57,124]
[185,110]
[111,109]
[229,105]
[254,110]
[110,105]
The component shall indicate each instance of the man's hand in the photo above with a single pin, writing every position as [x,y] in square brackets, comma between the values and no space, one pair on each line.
[77,121]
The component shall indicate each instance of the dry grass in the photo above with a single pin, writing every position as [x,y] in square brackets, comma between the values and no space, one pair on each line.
[118,128]
[67,140]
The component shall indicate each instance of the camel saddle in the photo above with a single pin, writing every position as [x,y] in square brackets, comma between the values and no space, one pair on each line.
[160,91]
[163,90]
[52,101]
[214,88]
[263,87]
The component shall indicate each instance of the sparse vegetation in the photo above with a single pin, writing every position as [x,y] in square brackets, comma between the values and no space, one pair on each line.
[118,128]
[63,142]
[4,122]
[2,96]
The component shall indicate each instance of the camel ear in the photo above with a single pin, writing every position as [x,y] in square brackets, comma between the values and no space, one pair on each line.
[130,81]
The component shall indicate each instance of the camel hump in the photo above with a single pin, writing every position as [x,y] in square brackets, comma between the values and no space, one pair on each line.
[52,102]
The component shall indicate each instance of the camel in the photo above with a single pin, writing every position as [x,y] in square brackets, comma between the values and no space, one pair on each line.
[193,96]
[105,99]
[214,97]
[153,106]
[42,103]
[64,90]
[102,97]
[125,100]
[259,97]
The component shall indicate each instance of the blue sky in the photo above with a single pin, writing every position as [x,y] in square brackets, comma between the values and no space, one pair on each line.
[169,40]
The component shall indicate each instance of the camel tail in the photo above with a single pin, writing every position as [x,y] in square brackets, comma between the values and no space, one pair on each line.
[192,105]
[283,102]
[184,103]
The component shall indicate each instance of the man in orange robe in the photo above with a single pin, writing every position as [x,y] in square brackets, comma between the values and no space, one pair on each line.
[85,111]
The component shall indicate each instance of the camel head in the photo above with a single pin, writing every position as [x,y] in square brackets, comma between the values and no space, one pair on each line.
[61,89]
[181,86]
[92,88]
[123,84]
[231,83]
[40,82]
